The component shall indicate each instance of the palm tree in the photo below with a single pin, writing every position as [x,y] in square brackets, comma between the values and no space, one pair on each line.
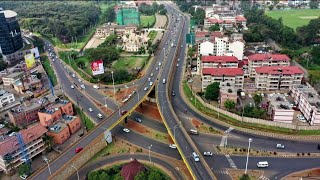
[48,141]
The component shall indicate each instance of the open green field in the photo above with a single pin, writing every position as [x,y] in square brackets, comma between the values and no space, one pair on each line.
[129,62]
[295,17]
[147,21]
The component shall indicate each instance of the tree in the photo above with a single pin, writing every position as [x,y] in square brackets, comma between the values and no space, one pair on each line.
[109,41]
[48,141]
[228,104]
[93,175]
[3,64]
[257,99]
[257,112]
[314,4]
[39,75]
[104,175]
[163,12]
[245,177]
[215,27]
[271,7]
[155,175]
[212,91]
[24,169]
[141,176]
[245,5]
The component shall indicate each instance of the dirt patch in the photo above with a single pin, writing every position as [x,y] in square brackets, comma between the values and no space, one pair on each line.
[235,174]
[107,111]
[203,128]
[307,175]
[196,123]
[308,17]
[150,109]
[120,93]
[137,127]
[170,139]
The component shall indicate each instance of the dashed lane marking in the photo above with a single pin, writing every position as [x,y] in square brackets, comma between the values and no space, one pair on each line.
[231,161]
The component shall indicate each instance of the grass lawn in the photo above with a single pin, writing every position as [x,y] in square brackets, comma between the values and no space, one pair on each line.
[85,120]
[48,68]
[152,35]
[129,62]
[147,20]
[295,17]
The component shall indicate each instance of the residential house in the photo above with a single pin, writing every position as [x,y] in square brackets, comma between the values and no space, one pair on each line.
[280,108]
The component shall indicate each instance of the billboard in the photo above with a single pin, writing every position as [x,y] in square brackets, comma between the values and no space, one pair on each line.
[108,136]
[30,61]
[35,52]
[97,67]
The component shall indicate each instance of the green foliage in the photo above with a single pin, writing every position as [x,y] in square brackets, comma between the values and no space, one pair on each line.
[47,67]
[198,16]
[257,99]
[39,75]
[38,43]
[107,54]
[163,12]
[314,4]
[309,33]
[109,41]
[24,169]
[141,176]
[245,5]
[214,27]
[48,141]
[245,177]
[229,104]
[251,111]
[85,120]
[148,9]
[271,7]
[212,91]
[155,175]
[3,64]
[119,76]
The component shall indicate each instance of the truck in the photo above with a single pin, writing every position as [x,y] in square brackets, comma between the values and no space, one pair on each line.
[243,95]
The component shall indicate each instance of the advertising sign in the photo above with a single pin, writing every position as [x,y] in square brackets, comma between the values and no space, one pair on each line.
[97,67]
[108,136]
[30,61]
[35,52]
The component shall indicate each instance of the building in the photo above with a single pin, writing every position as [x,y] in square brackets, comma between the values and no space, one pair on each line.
[133,42]
[50,114]
[298,2]
[10,79]
[108,29]
[217,62]
[10,33]
[217,44]
[280,108]
[27,84]
[131,169]
[73,123]
[261,60]
[128,15]
[6,98]
[10,147]
[308,102]
[227,92]
[230,76]
[277,77]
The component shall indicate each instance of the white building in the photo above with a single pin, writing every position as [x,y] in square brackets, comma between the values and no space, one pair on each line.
[308,102]
[280,108]
[262,60]
[6,98]
[10,79]
[277,77]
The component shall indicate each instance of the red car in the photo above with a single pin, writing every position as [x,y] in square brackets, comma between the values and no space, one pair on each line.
[77,150]
[123,112]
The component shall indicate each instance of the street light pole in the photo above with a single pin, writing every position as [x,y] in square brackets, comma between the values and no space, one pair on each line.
[250,140]
[48,166]
[105,102]
[77,171]
[149,153]
[114,91]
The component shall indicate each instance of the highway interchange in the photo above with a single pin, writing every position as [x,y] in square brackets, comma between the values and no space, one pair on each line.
[278,166]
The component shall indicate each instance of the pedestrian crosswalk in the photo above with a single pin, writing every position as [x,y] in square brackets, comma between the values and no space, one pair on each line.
[229,130]
[219,171]
[263,178]
[223,140]
[231,161]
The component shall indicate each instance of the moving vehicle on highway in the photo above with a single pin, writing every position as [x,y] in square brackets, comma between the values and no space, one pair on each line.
[138,120]
[173,146]
[262,164]
[96,87]
[90,109]
[126,130]
[100,116]
[77,150]
[207,153]
[193,131]
[195,157]
[72,87]
[163,81]
[280,146]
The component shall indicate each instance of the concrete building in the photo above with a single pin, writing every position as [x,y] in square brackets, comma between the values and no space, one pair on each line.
[10,148]
[277,77]
[28,84]
[227,92]
[133,42]
[308,101]
[262,60]
[220,45]
[108,29]
[230,76]
[10,79]
[216,62]
[73,123]
[6,98]
[280,108]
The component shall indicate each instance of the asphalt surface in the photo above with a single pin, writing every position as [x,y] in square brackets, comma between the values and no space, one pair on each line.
[154,159]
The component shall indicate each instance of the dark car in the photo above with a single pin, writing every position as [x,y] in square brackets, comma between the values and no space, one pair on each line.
[173,93]
[318,146]
[123,112]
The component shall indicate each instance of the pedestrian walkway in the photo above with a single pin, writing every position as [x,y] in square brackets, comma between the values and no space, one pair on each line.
[231,161]
[263,178]
[220,171]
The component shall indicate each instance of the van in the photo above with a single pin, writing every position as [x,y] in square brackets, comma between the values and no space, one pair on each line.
[193,131]
[195,157]
[163,81]
[262,164]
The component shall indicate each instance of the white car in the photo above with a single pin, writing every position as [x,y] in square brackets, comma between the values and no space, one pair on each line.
[79,80]
[151,83]
[149,79]
[90,109]
[125,100]
[250,96]
[157,68]
[178,59]
[151,74]
[95,86]
[146,89]
[73,75]
[72,87]
[177,65]
[126,130]
[207,153]
[159,63]
[23,176]
[82,86]
[1,126]
[12,134]
[173,146]
[280,146]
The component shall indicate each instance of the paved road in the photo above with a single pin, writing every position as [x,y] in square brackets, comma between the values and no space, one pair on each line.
[110,159]
[154,124]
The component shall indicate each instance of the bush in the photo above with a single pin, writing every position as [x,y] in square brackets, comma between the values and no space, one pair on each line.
[302,154]
[274,153]
[308,154]
[236,149]
[298,154]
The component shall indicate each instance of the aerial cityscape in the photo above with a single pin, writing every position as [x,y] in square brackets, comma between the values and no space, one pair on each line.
[152,90]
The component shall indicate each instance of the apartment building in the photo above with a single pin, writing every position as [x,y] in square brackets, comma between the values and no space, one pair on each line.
[308,101]
[267,59]
[231,76]
[225,22]
[10,147]
[6,98]
[280,108]
[221,45]
[10,79]
[216,62]
[277,77]
[227,92]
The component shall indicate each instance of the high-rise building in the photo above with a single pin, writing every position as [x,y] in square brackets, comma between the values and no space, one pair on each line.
[10,34]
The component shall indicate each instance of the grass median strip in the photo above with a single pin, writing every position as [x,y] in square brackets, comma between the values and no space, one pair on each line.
[258,127]
[85,120]
[49,69]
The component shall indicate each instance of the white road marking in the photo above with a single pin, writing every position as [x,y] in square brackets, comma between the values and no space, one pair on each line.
[223,140]
[229,130]
[231,161]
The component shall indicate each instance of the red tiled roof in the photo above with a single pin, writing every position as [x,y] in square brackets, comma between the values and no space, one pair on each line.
[11,143]
[202,34]
[240,18]
[211,34]
[288,70]
[217,59]
[268,56]
[130,170]
[243,63]
[222,71]
[214,20]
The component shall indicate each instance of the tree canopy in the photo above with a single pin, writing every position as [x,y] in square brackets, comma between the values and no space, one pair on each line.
[215,27]
[24,169]
[212,91]
[228,104]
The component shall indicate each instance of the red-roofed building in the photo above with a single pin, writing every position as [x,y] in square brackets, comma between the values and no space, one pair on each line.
[130,170]
[261,60]
[231,76]
[219,62]
[277,77]
[32,138]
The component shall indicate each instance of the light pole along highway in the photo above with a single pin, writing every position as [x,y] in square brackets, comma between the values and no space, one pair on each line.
[64,160]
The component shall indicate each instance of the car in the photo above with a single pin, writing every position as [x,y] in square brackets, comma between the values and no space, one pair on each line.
[181,45]
[195,157]
[150,83]
[151,74]
[90,110]
[173,93]
[77,150]
[173,146]
[1,126]
[138,120]
[178,59]
[124,112]
[159,63]
[250,96]
[126,130]
[125,100]
[82,86]
[157,68]
[99,116]
[207,153]
[146,89]
[318,146]
[149,79]
[12,134]
[96,87]
[72,86]
[64,67]
[23,176]
[45,159]
[280,146]
[79,80]
[73,75]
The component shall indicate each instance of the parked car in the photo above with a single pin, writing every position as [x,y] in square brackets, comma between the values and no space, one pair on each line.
[138,120]
[99,116]
[23,176]
[207,153]
[280,146]
[73,75]
[173,146]
[72,87]
[45,159]
[126,130]
[151,83]
[173,93]
[95,86]
[90,109]
[82,86]
[77,150]
[146,89]
[79,80]
[151,74]
[1,126]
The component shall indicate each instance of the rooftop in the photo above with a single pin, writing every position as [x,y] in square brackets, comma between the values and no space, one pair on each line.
[68,118]
[13,75]
[208,34]
[4,93]
[11,144]
[240,18]
[217,59]
[222,71]
[8,13]
[310,94]
[268,56]
[227,88]
[279,101]
[286,70]
[54,107]
[57,127]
